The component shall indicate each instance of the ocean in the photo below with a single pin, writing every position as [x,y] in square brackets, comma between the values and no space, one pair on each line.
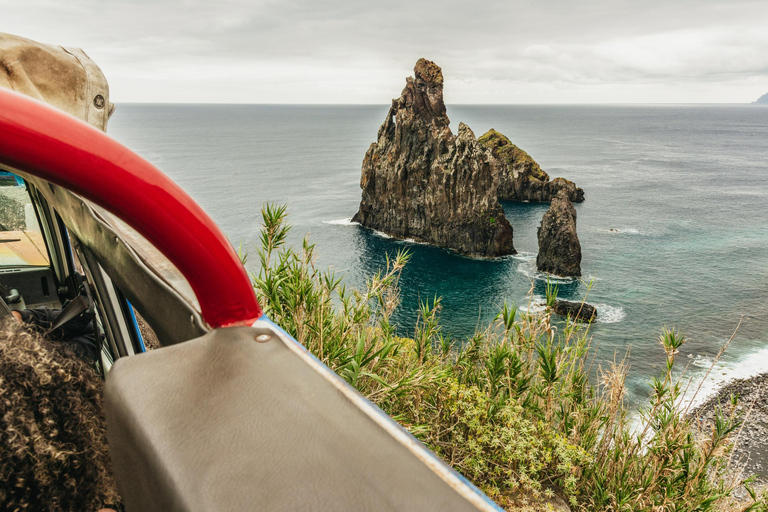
[674,228]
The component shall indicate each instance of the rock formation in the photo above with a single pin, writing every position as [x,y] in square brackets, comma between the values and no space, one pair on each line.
[559,247]
[762,100]
[580,311]
[519,176]
[421,181]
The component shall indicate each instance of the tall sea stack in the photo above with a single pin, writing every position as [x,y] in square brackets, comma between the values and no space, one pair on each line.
[559,247]
[421,181]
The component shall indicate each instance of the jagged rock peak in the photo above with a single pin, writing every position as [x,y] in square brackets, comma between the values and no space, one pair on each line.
[519,176]
[425,91]
[559,247]
[421,181]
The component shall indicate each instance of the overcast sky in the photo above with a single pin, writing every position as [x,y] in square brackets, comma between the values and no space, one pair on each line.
[346,51]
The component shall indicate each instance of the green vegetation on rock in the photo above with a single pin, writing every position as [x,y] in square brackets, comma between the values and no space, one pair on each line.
[518,177]
[512,155]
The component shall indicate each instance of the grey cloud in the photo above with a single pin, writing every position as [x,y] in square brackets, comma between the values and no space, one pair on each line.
[370,45]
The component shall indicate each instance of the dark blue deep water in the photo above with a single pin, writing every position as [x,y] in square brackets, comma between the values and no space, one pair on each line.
[674,229]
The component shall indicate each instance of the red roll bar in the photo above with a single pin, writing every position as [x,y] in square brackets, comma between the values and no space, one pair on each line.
[45,142]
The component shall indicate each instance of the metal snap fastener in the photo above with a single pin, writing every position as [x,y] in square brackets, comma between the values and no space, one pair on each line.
[98,101]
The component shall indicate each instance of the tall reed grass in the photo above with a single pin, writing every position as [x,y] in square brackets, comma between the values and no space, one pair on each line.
[519,408]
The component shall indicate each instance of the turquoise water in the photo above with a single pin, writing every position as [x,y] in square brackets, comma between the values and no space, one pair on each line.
[685,188]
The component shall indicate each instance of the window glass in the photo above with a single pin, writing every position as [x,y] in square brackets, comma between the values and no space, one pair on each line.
[21,240]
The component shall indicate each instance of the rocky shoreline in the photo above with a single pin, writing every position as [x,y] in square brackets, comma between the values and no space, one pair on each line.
[751,444]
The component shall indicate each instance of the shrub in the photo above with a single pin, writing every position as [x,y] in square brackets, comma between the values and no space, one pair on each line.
[512,408]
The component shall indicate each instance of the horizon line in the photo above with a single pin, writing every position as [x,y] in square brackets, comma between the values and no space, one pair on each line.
[451,104]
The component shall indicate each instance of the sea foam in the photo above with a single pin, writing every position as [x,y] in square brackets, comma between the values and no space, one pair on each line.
[535,306]
[528,269]
[524,256]
[607,314]
[723,372]
[622,231]
[342,222]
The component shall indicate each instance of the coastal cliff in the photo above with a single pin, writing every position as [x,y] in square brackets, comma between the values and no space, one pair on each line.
[420,181]
[559,246]
[762,100]
[518,175]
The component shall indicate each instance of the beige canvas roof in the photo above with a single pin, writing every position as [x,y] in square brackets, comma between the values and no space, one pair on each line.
[68,79]
[63,77]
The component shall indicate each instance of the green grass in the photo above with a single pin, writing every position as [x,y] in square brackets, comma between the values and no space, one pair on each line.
[551,292]
[514,407]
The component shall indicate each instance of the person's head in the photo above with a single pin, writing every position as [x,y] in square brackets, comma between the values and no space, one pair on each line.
[53,443]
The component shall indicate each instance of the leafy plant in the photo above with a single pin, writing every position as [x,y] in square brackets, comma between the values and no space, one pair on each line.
[516,408]
[551,292]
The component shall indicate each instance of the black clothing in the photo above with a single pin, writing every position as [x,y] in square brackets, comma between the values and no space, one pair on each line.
[77,334]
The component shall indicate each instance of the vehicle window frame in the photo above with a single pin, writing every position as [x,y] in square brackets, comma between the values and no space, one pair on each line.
[61,260]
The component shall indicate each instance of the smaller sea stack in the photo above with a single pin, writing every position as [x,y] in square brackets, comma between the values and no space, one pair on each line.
[559,247]
[579,311]
[518,175]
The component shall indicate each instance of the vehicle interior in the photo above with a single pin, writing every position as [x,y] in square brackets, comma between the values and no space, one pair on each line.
[42,267]
[25,264]
[231,413]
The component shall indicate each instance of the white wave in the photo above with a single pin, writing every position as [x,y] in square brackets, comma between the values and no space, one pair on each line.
[528,269]
[342,222]
[506,257]
[700,361]
[412,241]
[622,231]
[609,314]
[524,256]
[605,314]
[723,372]
[537,304]
[381,233]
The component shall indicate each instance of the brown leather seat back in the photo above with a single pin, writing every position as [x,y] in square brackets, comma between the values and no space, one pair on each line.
[228,423]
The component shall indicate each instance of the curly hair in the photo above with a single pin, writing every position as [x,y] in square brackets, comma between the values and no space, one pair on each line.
[53,443]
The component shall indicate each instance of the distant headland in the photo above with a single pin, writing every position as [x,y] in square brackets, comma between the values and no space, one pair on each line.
[762,100]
